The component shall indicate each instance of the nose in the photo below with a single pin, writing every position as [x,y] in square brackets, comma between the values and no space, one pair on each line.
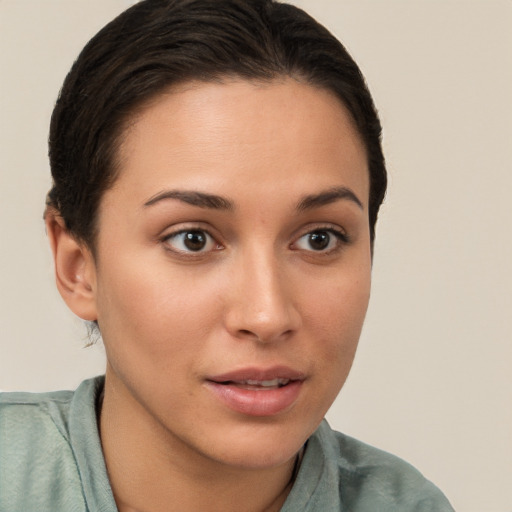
[262,306]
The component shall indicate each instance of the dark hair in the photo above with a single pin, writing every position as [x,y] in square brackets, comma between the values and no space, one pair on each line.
[159,43]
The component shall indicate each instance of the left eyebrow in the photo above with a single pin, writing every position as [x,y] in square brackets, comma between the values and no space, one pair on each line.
[327,197]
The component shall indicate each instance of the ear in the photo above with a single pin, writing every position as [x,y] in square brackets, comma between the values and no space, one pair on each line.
[75,269]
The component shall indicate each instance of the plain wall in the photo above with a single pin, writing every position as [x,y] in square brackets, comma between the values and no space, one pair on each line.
[432,379]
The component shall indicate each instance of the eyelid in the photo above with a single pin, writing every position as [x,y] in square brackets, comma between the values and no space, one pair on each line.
[339,233]
[169,235]
[321,226]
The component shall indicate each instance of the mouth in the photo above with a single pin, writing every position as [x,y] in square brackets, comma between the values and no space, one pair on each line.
[257,385]
[256,392]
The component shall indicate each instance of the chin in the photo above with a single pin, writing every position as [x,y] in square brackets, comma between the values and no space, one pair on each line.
[262,446]
[252,458]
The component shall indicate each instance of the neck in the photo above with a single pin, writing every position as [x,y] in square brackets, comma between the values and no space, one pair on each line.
[151,470]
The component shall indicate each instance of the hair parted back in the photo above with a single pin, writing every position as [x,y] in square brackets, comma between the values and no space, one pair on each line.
[156,44]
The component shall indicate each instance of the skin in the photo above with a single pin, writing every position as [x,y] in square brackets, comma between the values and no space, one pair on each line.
[257,295]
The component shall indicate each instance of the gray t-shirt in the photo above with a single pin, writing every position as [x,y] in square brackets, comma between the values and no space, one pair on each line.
[51,461]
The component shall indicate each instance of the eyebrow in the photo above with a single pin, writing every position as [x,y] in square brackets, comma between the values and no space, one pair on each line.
[215,202]
[193,198]
[327,197]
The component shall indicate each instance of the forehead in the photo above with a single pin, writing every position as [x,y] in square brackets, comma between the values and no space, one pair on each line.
[278,133]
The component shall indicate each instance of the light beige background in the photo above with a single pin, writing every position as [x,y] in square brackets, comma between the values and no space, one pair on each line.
[432,379]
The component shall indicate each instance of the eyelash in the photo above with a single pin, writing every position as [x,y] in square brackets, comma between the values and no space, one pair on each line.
[191,253]
[341,240]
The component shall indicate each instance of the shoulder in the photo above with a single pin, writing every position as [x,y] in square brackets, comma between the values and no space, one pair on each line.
[351,475]
[22,410]
[38,468]
[376,473]
[32,424]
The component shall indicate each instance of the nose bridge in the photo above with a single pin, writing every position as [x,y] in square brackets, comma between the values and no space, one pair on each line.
[262,307]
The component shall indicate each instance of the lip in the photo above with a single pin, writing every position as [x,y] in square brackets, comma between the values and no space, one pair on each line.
[256,400]
[253,373]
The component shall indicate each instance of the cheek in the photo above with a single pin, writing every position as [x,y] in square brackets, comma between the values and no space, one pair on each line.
[150,309]
[152,330]
[338,304]
[335,317]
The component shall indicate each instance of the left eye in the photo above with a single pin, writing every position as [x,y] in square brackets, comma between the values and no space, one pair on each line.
[191,240]
[321,240]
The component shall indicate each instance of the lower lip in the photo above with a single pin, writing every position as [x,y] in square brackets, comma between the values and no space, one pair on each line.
[257,402]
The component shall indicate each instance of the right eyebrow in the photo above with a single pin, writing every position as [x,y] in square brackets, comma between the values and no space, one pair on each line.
[193,198]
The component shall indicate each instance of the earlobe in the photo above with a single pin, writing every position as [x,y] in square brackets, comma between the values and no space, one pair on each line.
[75,270]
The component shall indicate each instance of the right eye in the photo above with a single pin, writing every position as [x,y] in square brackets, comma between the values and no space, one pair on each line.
[191,241]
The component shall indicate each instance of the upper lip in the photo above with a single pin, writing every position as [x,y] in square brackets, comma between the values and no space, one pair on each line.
[258,374]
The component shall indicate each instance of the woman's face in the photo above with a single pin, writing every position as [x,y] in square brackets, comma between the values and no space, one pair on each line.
[232,272]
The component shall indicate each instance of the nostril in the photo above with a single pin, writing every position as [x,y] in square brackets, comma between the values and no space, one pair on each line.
[263,337]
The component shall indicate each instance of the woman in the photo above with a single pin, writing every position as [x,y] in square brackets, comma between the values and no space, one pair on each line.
[217,178]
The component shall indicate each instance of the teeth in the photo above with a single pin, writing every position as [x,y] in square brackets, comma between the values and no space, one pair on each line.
[267,383]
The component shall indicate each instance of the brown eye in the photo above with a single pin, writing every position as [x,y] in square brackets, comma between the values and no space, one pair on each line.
[195,240]
[191,240]
[321,240]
